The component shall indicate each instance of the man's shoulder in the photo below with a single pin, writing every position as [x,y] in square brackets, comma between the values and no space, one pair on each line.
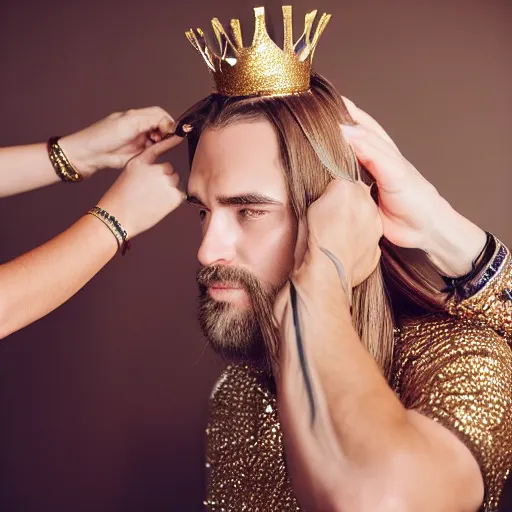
[437,333]
[431,348]
[458,373]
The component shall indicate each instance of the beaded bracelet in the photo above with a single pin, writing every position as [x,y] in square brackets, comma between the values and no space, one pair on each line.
[63,167]
[115,227]
[491,270]
[484,268]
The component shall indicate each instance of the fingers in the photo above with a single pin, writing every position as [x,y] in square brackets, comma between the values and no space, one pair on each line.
[166,125]
[367,121]
[359,132]
[168,170]
[177,197]
[338,187]
[386,165]
[151,153]
[176,194]
[345,196]
[154,121]
[173,178]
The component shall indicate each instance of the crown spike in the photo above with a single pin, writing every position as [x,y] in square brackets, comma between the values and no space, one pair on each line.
[199,43]
[222,38]
[303,45]
[236,30]
[192,39]
[288,28]
[260,27]
[204,46]
[324,20]
[309,19]
[262,69]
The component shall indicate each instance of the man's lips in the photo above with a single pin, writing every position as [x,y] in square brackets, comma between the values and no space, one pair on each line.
[224,286]
[225,291]
[229,292]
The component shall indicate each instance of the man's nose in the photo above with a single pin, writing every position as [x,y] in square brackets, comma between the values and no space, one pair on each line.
[218,244]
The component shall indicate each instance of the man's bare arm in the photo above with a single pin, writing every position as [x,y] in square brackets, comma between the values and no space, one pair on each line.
[364,451]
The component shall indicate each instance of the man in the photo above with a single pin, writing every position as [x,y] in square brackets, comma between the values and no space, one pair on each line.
[301,308]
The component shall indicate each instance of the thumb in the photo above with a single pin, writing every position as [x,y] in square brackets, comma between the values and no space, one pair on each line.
[150,154]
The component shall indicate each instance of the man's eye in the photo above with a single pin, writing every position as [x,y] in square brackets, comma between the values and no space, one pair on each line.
[249,213]
[202,214]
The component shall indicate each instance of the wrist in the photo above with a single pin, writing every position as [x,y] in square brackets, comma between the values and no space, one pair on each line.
[102,235]
[79,156]
[319,277]
[114,226]
[116,208]
[454,243]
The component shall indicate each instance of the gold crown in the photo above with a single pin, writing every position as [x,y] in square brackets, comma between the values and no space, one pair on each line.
[262,69]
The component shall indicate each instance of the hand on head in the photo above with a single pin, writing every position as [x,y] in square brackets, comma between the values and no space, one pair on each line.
[115,140]
[344,222]
[409,206]
[146,191]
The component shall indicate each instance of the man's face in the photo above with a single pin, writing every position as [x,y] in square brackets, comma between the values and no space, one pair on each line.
[237,185]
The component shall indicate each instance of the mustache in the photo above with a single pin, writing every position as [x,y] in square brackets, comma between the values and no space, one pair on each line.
[206,276]
[262,298]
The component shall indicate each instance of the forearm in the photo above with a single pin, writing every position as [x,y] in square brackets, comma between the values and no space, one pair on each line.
[351,443]
[454,242]
[24,168]
[347,429]
[28,167]
[39,281]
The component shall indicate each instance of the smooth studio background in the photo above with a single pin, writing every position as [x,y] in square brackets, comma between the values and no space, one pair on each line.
[103,402]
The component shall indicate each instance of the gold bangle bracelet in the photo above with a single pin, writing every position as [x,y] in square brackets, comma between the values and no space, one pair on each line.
[63,167]
[115,227]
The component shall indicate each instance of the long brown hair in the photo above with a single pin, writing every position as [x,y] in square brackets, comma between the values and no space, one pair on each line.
[312,153]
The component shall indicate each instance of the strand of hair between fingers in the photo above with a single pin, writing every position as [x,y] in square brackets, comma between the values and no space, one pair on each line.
[302,355]
[339,269]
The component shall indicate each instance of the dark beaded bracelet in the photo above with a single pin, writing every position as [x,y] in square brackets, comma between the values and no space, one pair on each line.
[485,266]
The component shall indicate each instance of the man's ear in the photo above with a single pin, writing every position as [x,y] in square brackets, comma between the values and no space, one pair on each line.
[301,243]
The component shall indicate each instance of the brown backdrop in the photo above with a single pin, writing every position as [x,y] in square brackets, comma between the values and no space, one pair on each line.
[103,402]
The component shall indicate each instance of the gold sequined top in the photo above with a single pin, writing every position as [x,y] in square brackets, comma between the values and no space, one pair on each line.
[492,305]
[244,454]
[456,370]
[460,374]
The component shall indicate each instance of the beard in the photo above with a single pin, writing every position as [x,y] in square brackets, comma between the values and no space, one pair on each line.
[239,335]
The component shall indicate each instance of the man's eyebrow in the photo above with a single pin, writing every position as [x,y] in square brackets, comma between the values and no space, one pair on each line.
[247,199]
[242,199]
